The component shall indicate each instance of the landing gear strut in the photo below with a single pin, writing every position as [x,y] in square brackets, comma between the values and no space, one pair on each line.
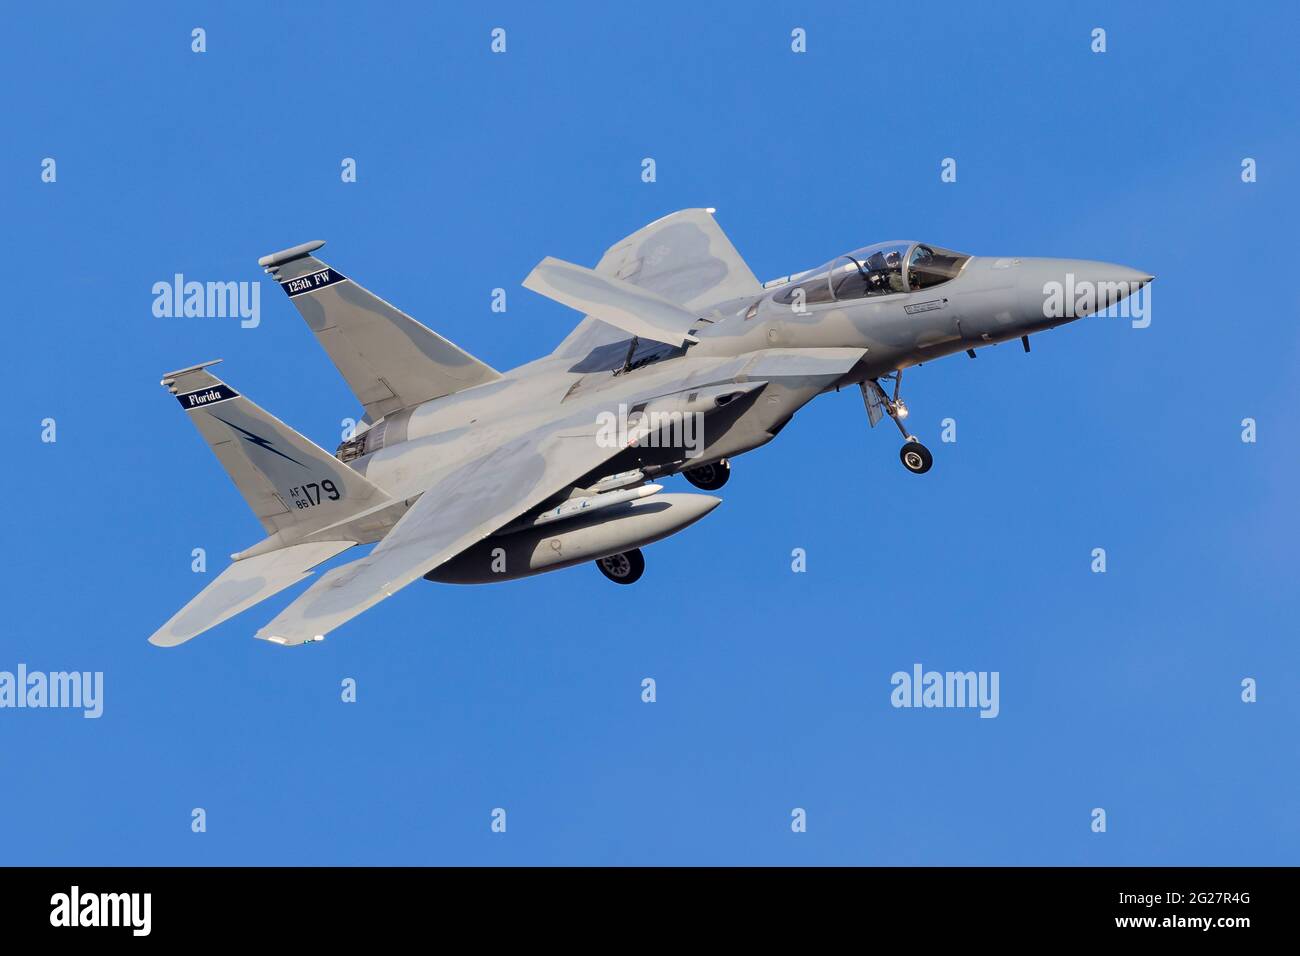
[915,457]
[709,477]
[623,568]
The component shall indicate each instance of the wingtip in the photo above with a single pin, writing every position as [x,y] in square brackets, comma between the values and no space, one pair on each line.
[534,277]
[283,641]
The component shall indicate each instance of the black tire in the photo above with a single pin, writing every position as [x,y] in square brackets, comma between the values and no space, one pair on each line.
[709,477]
[624,568]
[916,458]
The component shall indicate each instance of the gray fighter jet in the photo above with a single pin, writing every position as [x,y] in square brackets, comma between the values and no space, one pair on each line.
[683,361]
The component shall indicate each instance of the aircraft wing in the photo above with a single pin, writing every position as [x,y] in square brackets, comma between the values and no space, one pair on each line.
[466,503]
[685,258]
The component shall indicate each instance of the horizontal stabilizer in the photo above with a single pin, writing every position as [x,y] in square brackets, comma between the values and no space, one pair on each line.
[242,585]
[633,309]
[389,360]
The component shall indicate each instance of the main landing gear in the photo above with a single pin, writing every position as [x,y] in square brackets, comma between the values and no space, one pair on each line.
[709,477]
[623,568]
[915,457]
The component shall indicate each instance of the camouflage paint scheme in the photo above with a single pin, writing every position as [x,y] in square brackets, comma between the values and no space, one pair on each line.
[451,452]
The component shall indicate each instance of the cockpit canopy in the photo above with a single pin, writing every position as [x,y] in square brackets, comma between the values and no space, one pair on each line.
[883,269]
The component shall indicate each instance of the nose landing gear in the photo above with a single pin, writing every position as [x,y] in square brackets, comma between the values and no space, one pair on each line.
[915,457]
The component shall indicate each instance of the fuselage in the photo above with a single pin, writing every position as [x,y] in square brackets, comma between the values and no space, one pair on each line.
[978,301]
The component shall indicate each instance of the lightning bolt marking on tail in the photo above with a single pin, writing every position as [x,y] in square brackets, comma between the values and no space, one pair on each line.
[259,441]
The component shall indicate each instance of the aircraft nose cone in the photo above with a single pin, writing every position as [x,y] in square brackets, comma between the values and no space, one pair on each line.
[1108,272]
[1065,289]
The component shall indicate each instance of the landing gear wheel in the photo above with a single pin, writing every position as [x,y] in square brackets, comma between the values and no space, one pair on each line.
[709,477]
[916,458]
[624,568]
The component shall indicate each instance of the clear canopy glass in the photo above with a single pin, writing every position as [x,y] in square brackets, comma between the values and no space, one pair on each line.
[929,266]
[873,270]
[886,268]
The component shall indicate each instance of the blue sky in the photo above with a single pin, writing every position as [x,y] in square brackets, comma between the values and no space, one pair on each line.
[1118,690]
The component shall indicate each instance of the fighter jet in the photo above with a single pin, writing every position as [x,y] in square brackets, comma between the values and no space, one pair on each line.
[682,362]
